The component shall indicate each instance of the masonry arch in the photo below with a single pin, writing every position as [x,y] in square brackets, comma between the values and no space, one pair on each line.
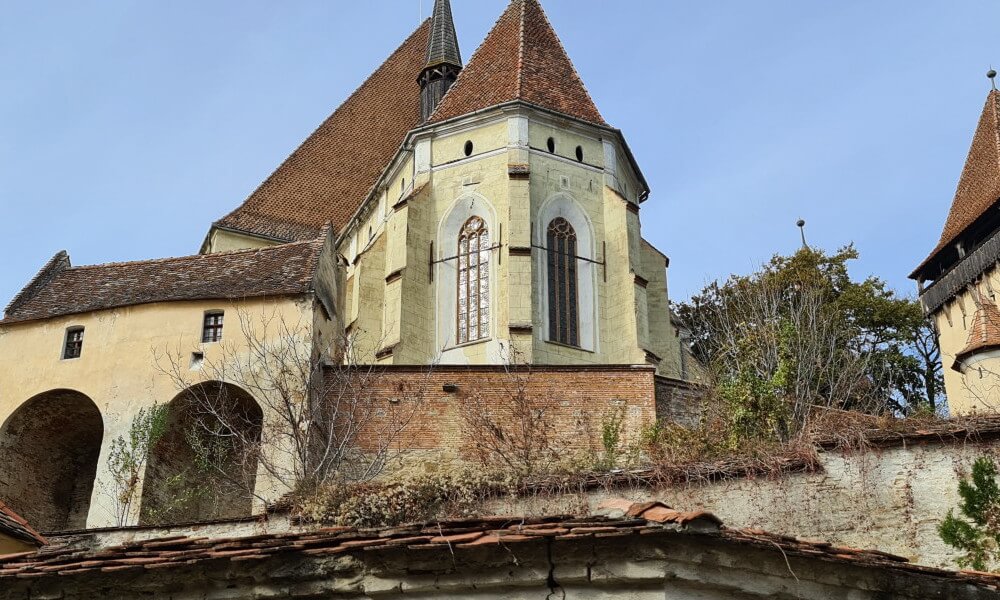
[466,209]
[204,465]
[49,450]
[563,206]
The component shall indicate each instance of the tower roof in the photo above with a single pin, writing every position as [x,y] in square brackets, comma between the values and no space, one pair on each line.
[979,187]
[984,333]
[332,173]
[521,59]
[442,46]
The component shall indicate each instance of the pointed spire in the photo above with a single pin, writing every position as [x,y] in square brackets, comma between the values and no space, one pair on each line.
[442,48]
[444,59]
[979,187]
[521,59]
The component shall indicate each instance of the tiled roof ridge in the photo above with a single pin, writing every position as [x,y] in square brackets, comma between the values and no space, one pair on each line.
[615,518]
[520,49]
[194,257]
[16,526]
[459,81]
[562,47]
[394,55]
[57,264]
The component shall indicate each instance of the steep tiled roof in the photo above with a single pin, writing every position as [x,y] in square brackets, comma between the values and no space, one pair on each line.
[521,59]
[273,271]
[984,332]
[13,525]
[979,186]
[618,519]
[329,176]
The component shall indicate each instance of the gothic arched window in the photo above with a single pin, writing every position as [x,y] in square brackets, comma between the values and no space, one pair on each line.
[473,281]
[563,302]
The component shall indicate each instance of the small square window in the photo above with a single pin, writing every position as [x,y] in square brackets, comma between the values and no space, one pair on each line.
[73,347]
[212,331]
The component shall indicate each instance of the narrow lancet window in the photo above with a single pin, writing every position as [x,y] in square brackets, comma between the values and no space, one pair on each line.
[473,281]
[564,326]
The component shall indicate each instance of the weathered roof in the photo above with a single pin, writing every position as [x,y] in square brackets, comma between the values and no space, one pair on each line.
[442,48]
[979,187]
[521,59]
[64,290]
[13,525]
[617,519]
[334,170]
[984,332]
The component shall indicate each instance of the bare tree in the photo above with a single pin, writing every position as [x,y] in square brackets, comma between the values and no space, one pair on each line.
[507,427]
[778,353]
[322,419]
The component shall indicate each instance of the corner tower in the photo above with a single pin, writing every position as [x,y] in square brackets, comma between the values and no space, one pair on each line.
[444,59]
[959,280]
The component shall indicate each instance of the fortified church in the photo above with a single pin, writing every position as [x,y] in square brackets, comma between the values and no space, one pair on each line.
[450,226]
[466,216]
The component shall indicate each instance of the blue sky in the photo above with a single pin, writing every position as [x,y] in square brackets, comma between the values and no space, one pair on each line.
[127,127]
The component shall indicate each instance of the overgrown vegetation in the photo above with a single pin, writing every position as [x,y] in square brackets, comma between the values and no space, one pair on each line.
[127,458]
[976,533]
[800,335]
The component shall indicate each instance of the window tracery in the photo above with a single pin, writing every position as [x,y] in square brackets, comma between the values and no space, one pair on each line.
[473,281]
[563,285]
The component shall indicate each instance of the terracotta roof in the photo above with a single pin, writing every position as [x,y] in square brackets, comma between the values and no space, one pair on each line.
[984,332]
[13,525]
[979,186]
[332,173]
[521,59]
[616,519]
[272,271]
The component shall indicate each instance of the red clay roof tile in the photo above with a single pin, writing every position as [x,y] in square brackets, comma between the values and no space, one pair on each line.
[273,271]
[521,59]
[13,525]
[332,173]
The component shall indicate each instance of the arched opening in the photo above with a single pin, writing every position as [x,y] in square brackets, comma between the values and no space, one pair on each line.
[550,144]
[49,450]
[204,467]
[564,319]
[579,153]
[468,148]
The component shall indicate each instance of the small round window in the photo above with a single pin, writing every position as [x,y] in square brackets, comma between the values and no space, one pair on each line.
[579,153]
[551,144]
[468,148]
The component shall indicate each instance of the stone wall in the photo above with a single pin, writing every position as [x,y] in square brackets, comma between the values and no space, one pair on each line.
[889,498]
[678,401]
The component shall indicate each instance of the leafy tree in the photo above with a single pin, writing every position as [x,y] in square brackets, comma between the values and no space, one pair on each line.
[977,535]
[800,332]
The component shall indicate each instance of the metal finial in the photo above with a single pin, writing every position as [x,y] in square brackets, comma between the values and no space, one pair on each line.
[993,77]
[801,224]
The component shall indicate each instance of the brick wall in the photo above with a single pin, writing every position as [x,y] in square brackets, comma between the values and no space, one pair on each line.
[575,399]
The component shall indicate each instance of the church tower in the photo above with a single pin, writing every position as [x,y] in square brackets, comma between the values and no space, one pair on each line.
[959,280]
[444,59]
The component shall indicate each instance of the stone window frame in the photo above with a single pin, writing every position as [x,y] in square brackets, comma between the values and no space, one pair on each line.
[563,204]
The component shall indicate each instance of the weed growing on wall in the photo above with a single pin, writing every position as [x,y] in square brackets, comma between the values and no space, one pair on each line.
[127,458]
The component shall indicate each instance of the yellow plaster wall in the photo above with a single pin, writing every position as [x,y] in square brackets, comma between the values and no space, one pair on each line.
[220,240]
[450,148]
[9,545]
[118,366]
[566,142]
[968,392]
